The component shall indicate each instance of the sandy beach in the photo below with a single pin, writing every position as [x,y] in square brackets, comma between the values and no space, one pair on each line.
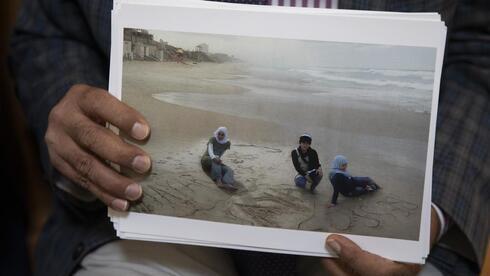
[184,104]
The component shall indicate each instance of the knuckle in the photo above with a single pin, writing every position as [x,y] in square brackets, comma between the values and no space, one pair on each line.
[56,115]
[94,95]
[89,137]
[87,97]
[78,90]
[49,137]
[85,166]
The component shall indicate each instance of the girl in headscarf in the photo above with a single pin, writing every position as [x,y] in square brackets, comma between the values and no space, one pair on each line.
[343,182]
[211,162]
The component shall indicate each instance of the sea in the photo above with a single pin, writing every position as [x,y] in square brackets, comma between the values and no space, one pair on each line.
[364,88]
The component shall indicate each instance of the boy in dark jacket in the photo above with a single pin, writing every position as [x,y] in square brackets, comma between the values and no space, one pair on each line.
[305,161]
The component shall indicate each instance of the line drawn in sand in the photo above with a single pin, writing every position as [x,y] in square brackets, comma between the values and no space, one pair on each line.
[372,215]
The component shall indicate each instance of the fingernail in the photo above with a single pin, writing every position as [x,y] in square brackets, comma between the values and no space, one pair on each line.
[133,191]
[141,163]
[119,204]
[334,245]
[140,131]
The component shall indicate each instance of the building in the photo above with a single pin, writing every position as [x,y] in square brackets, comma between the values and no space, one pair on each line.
[203,48]
[140,45]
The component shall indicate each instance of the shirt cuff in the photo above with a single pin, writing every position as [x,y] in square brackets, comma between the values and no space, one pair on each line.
[211,151]
[442,221]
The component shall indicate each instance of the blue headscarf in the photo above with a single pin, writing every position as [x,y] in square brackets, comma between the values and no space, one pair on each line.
[337,163]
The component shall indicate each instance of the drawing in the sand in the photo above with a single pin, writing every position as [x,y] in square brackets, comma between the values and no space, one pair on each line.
[346,184]
[306,163]
[211,161]
[268,92]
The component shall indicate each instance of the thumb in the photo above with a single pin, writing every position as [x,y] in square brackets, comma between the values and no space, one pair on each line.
[358,260]
[343,246]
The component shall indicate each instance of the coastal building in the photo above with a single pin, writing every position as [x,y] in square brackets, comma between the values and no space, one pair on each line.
[140,45]
[203,48]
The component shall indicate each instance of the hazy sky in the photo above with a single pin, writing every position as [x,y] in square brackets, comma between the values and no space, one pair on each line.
[297,53]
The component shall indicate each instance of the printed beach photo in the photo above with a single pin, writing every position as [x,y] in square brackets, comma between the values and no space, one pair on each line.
[290,134]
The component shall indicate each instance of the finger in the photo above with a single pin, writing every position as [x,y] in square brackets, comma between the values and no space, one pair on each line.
[360,261]
[64,168]
[99,103]
[107,145]
[98,173]
[333,267]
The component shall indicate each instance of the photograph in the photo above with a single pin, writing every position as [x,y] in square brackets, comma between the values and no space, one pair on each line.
[292,134]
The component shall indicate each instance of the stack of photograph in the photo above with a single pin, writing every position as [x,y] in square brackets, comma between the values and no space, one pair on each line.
[273,127]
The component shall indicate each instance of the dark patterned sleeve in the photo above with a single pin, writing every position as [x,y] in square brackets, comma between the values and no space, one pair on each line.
[53,47]
[461,177]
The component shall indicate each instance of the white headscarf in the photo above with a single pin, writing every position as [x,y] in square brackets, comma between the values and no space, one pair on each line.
[225,131]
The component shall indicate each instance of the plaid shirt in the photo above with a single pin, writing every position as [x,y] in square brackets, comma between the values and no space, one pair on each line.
[60,43]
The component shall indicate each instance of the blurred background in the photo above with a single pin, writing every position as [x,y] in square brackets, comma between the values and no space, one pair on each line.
[26,195]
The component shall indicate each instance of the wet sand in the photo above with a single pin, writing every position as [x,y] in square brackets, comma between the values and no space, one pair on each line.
[260,157]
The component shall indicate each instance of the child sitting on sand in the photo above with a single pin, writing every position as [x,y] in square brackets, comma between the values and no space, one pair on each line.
[305,161]
[346,184]
[211,162]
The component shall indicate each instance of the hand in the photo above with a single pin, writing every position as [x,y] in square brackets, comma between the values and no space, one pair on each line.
[355,261]
[319,172]
[78,143]
[217,160]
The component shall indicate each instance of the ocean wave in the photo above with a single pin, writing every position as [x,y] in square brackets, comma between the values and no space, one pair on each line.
[369,80]
[425,75]
[428,75]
